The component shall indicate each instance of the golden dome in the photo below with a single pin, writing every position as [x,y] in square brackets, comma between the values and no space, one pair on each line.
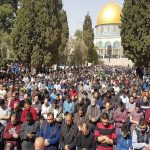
[110,14]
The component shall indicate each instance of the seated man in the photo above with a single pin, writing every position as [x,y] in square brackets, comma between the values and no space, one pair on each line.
[11,133]
[50,133]
[27,109]
[141,136]
[105,135]
[86,139]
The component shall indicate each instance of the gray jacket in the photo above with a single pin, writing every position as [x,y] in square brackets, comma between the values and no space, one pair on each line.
[68,136]
[139,140]
[28,128]
[94,112]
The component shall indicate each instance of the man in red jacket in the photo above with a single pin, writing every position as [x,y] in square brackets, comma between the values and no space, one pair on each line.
[28,108]
[73,92]
[147,116]
[11,133]
[13,100]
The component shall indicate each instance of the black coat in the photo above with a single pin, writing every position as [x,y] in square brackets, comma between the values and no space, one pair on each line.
[68,136]
[86,142]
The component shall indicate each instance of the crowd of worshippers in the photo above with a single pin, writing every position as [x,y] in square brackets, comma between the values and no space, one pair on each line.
[76,110]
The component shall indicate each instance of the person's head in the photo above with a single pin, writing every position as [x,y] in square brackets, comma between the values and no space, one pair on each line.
[50,118]
[36,99]
[26,96]
[60,97]
[16,105]
[131,99]
[145,99]
[68,119]
[137,107]
[27,105]
[46,101]
[2,103]
[29,117]
[96,95]
[57,96]
[39,143]
[81,112]
[14,95]
[134,95]
[143,125]
[121,106]
[124,130]
[54,103]
[41,120]
[93,101]
[73,98]
[81,100]
[13,119]
[85,129]
[105,119]
[107,106]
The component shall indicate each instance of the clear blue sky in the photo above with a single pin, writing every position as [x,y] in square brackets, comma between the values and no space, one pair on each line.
[77,9]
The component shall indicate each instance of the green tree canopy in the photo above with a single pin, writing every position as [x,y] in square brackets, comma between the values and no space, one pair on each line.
[135,31]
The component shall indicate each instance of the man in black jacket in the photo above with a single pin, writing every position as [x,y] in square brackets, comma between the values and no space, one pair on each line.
[68,139]
[86,139]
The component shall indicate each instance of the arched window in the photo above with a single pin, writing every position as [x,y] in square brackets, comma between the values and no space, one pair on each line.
[116,45]
[107,44]
[100,45]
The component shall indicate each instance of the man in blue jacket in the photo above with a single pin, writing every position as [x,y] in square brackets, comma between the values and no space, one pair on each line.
[124,139]
[50,133]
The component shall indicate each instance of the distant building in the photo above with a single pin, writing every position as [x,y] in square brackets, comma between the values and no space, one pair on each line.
[107,31]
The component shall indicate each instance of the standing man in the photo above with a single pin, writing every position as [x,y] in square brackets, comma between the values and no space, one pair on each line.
[28,132]
[86,139]
[93,113]
[50,133]
[141,136]
[105,135]
[68,140]
[120,117]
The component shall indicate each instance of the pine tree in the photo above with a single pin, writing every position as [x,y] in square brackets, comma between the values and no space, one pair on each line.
[135,31]
[88,37]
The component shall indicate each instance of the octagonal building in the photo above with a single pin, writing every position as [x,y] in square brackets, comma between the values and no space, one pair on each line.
[107,32]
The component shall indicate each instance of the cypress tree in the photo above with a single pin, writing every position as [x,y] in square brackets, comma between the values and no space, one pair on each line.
[40,31]
[135,31]
[23,34]
[88,37]
[64,35]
